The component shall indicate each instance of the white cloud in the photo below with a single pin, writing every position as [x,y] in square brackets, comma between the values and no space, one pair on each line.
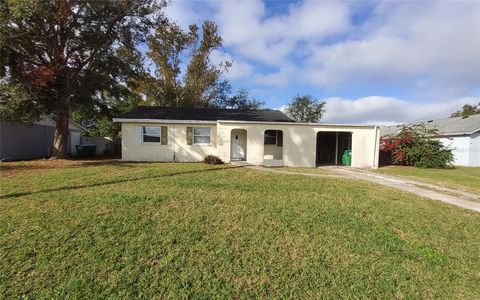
[424,49]
[427,45]
[240,69]
[270,40]
[389,110]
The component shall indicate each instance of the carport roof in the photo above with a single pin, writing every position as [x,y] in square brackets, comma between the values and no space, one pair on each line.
[205,114]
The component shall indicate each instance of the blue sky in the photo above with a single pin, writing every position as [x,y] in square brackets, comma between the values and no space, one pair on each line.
[372,62]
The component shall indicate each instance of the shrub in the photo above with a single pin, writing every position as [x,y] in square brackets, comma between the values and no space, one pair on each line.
[415,145]
[212,160]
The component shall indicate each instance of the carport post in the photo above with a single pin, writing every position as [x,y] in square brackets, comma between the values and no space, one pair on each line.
[336,148]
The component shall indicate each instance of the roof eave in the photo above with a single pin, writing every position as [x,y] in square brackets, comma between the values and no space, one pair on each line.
[164,121]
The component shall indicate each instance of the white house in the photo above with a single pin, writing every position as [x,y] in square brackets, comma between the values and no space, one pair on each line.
[259,137]
[462,134]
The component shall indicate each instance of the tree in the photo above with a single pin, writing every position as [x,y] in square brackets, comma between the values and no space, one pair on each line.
[201,84]
[416,145]
[58,56]
[467,110]
[240,100]
[305,109]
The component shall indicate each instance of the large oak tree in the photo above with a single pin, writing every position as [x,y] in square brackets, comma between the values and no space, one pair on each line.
[185,74]
[60,55]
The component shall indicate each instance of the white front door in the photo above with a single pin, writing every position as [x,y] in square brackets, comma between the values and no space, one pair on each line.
[238,142]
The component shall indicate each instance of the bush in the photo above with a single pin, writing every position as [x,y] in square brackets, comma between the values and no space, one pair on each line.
[418,146]
[212,160]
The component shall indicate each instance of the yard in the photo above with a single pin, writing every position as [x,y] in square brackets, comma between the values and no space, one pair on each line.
[105,229]
[465,178]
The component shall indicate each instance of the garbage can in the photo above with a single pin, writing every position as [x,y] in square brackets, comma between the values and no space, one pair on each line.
[86,150]
[347,158]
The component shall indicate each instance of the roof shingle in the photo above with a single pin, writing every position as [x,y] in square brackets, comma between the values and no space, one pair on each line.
[445,127]
[205,114]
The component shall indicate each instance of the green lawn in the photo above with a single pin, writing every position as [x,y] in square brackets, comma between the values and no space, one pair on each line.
[125,230]
[323,171]
[466,178]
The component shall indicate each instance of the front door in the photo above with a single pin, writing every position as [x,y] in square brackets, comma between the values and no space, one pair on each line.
[238,151]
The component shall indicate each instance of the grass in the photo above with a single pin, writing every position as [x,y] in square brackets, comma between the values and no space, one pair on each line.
[323,171]
[125,230]
[465,178]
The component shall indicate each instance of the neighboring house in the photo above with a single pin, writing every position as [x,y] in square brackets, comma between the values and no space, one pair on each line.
[462,134]
[259,137]
[19,141]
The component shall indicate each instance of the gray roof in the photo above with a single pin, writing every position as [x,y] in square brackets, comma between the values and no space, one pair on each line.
[446,127]
[205,114]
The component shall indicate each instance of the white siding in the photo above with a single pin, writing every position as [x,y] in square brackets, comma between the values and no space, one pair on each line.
[475,150]
[461,149]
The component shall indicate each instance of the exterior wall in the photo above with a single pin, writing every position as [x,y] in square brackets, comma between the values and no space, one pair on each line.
[475,150]
[466,149]
[461,149]
[103,144]
[273,150]
[134,149]
[19,142]
[299,143]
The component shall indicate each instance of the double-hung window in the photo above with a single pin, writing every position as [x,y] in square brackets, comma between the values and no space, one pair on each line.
[151,134]
[201,135]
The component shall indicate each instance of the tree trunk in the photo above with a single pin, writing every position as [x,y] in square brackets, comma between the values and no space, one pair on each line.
[60,139]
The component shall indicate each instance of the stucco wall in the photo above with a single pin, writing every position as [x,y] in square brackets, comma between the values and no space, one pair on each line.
[299,143]
[134,149]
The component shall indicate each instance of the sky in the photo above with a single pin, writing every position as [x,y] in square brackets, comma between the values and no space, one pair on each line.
[372,62]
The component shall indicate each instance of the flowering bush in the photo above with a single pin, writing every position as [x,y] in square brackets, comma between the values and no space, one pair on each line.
[415,145]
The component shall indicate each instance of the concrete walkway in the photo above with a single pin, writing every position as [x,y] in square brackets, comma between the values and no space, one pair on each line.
[431,191]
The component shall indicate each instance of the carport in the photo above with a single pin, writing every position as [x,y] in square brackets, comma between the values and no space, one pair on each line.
[331,146]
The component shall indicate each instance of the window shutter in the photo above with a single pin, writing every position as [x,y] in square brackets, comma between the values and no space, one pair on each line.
[189,135]
[164,135]
[138,134]
[279,138]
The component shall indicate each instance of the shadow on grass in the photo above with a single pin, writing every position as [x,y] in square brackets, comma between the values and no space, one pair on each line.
[44,164]
[66,188]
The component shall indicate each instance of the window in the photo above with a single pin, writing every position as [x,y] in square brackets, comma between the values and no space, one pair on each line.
[151,134]
[201,135]
[270,137]
[273,137]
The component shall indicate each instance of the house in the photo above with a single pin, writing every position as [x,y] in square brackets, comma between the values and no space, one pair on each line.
[462,134]
[258,137]
[20,142]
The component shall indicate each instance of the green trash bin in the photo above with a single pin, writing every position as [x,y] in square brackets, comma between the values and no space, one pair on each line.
[347,158]
[86,150]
